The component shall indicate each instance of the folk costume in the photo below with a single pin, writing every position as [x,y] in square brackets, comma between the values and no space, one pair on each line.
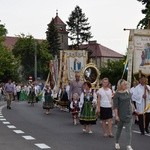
[74,106]
[63,99]
[23,94]
[88,101]
[48,100]
[31,95]
[37,91]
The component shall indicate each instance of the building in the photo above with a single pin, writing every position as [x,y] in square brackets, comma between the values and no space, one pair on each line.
[100,54]
[62,32]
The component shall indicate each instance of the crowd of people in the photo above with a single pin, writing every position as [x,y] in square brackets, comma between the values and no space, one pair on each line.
[29,92]
[87,105]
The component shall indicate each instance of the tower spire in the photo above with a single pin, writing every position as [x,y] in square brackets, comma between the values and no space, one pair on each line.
[57,12]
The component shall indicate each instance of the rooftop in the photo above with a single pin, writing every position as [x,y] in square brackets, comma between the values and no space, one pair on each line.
[99,50]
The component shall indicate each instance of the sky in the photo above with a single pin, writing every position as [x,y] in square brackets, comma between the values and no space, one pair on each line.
[107,18]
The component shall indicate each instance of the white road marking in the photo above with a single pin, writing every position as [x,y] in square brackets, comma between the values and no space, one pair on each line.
[18,131]
[140,132]
[28,137]
[11,126]
[42,146]
[6,122]
[136,132]
[2,119]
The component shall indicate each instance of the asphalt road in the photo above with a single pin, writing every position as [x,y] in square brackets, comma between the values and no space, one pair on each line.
[26,127]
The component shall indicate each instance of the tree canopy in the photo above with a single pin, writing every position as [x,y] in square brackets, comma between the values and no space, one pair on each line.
[78,27]
[53,39]
[114,71]
[24,49]
[143,24]
[8,64]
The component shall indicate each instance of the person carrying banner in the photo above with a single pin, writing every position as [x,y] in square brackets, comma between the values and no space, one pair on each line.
[141,96]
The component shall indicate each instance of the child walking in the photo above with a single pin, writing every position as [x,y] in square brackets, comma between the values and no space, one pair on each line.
[74,106]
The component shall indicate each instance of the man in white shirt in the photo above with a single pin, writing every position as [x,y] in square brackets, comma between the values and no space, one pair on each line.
[141,96]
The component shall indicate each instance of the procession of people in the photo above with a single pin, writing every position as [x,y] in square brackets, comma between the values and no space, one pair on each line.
[87,104]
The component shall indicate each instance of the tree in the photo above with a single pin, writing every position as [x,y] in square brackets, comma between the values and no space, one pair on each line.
[143,24]
[78,27]
[24,49]
[53,38]
[113,71]
[8,64]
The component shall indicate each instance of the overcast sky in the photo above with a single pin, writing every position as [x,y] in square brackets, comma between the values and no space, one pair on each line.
[107,18]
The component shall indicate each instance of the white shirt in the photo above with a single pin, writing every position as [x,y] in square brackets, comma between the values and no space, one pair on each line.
[68,89]
[71,104]
[37,89]
[138,98]
[132,91]
[18,88]
[105,97]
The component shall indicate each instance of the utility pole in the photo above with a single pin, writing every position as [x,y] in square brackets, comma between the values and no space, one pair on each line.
[35,61]
[130,56]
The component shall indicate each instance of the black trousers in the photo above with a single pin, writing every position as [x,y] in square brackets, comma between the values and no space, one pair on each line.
[141,122]
[18,95]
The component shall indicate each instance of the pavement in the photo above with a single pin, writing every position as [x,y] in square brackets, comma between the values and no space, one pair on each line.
[55,130]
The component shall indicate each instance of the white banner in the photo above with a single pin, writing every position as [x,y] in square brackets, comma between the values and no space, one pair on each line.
[141,52]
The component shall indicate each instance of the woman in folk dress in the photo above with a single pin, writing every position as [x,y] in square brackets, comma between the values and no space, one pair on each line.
[88,103]
[48,103]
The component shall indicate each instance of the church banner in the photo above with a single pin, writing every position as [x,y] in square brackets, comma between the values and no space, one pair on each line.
[70,62]
[141,51]
[76,61]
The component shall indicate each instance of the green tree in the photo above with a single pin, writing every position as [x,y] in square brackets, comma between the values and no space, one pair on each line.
[79,28]
[8,64]
[113,71]
[43,58]
[143,24]
[53,39]
[24,49]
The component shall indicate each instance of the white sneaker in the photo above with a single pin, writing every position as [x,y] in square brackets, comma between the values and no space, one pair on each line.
[84,130]
[90,132]
[129,147]
[117,146]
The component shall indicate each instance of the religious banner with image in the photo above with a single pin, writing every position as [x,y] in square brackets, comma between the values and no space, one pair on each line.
[70,62]
[76,61]
[141,52]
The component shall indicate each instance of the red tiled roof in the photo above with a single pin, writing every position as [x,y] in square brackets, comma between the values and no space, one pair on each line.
[10,41]
[58,21]
[99,50]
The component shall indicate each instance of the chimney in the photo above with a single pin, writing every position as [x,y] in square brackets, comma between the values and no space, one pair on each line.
[148,26]
[93,42]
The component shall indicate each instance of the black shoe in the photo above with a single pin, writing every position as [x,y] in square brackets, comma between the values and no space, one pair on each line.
[136,122]
[147,131]
[7,107]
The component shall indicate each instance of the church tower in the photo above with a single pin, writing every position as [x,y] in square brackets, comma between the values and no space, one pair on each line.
[62,32]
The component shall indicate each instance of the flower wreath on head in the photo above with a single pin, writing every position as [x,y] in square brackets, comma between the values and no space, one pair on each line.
[90,93]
